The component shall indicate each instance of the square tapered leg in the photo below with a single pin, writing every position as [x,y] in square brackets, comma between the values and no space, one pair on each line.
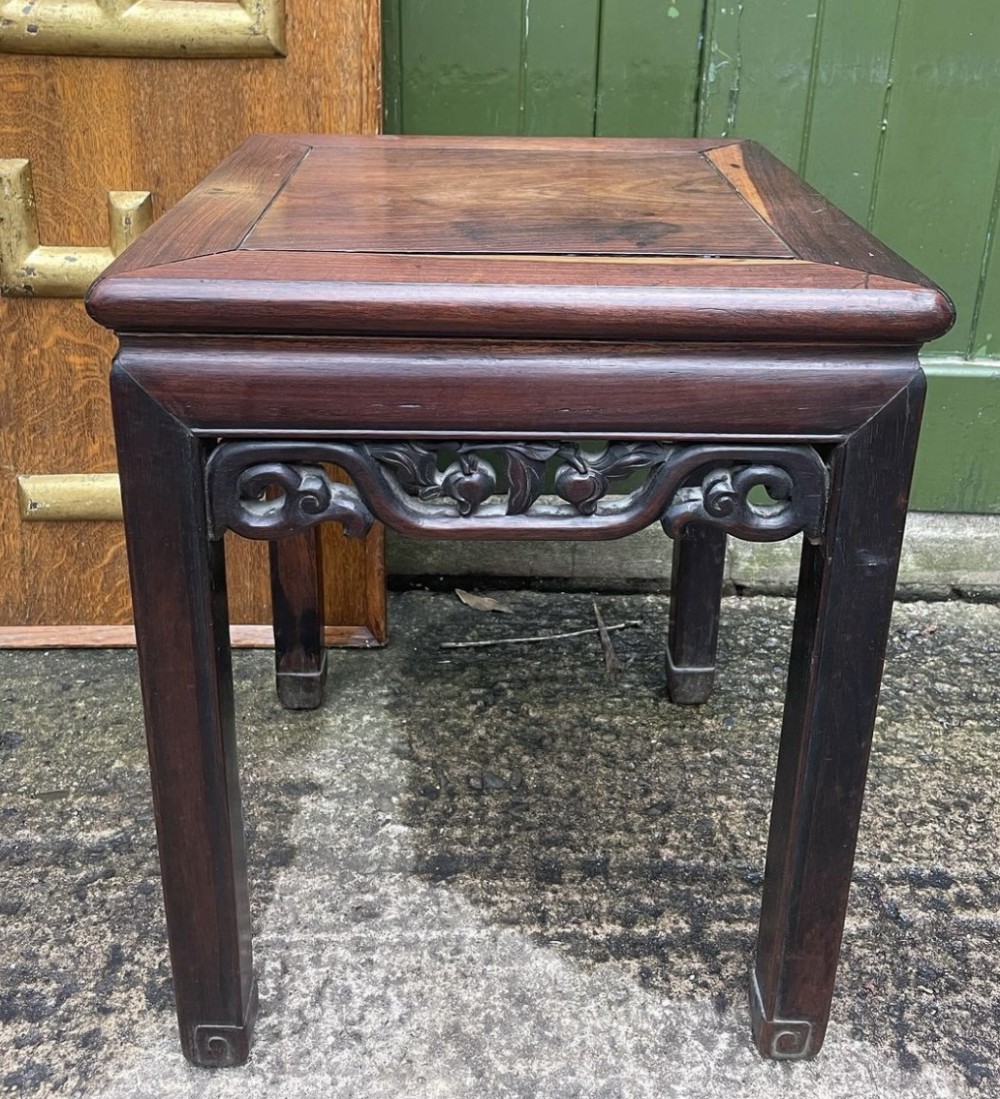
[182,630]
[699,559]
[297,607]
[846,589]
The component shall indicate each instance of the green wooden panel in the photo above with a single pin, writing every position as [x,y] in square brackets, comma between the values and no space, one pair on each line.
[490,66]
[891,109]
[757,76]
[648,67]
[942,148]
[843,135]
[461,66]
[392,68]
[558,81]
[625,67]
[986,327]
[958,463]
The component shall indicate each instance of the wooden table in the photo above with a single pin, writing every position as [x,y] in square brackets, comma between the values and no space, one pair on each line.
[446,319]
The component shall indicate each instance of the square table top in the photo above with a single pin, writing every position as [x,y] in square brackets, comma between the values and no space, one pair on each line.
[578,238]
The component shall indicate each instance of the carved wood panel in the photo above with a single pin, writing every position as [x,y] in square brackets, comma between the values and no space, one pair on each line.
[94,125]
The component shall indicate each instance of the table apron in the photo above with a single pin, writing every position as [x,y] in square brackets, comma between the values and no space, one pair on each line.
[398,389]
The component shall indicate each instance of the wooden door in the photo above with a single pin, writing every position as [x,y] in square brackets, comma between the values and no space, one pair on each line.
[196,78]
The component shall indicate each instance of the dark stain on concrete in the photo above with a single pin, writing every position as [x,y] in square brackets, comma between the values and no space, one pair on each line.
[637,837]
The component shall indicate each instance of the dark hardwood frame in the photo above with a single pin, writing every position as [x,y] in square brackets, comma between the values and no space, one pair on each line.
[822,356]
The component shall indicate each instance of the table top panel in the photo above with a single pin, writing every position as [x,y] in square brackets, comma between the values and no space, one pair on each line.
[391,197]
[510,238]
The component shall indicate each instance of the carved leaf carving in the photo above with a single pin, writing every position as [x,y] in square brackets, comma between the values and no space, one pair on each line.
[416,466]
[621,459]
[526,473]
[525,479]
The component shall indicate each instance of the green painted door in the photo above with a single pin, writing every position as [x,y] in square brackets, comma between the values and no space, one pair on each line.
[890,107]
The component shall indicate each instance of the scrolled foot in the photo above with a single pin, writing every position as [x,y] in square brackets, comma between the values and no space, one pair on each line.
[215,1045]
[780,1039]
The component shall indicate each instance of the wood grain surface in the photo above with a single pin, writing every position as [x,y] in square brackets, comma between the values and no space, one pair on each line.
[396,196]
[810,224]
[123,637]
[412,389]
[523,239]
[90,125]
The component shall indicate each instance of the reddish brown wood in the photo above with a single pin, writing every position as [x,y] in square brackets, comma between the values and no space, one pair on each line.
[695,596]
[616,147]
[525,270]
[812,227]
[390,197]
[845,595]
[221,386]
[217,215]
[182,632]
[297,607]
[578,310]
[277,337]
[397,197]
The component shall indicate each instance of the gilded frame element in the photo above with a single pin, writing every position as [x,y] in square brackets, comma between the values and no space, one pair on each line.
[144,28]
[29,269]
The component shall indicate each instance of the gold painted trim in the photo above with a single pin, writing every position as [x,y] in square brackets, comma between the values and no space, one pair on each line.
[29,269]
[144,28]
[69,497]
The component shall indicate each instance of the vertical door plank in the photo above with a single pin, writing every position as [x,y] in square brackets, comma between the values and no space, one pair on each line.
[648,67]
[392,67]
[942,148]
[353,575]
[461,66]
[559,58]
[850,87]
[958,464]
[757,72]
[985,335]
[56,420]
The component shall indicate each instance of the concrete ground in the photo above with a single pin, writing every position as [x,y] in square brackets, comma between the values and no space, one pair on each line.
[498,872]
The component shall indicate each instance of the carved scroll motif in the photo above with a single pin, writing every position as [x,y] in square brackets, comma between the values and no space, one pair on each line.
[476,489]
[794,478]
[275,500]
[784,1039]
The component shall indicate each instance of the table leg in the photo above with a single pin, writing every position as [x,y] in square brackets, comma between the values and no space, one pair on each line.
[297,607]
[695,595]
[179,603]
[846,589]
